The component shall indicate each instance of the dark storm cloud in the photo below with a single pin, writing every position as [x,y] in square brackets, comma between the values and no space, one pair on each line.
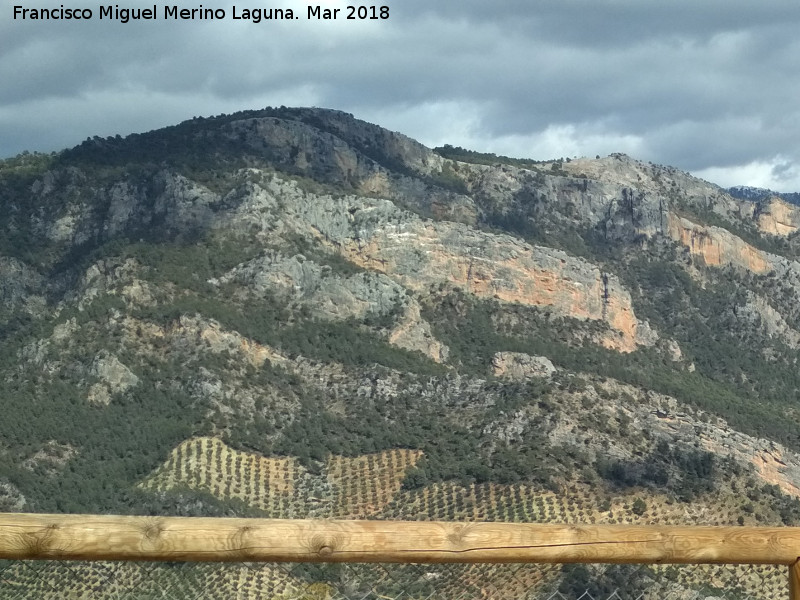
[697,85]
[599,24]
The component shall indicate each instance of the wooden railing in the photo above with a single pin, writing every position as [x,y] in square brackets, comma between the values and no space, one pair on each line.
[96,537]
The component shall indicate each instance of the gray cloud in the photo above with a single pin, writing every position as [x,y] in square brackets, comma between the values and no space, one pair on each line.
[701,86]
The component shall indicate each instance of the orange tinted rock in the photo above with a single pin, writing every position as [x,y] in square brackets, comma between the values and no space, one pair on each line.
[717,246]
[500,267]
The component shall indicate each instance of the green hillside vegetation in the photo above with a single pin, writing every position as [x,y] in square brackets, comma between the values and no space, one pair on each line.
[184,330]
[484,158]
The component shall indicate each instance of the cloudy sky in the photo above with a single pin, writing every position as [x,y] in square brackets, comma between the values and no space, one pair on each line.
[709,86]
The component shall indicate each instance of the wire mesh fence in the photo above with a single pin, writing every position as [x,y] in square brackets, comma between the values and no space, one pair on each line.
[67,580]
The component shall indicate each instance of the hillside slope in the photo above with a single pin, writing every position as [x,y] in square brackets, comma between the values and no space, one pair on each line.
[291,312]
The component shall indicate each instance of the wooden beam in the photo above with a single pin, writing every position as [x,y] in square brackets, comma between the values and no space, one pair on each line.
[794,581]
[93,537]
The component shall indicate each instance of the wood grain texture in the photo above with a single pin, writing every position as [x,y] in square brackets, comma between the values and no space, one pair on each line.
[96,537]
[794,581]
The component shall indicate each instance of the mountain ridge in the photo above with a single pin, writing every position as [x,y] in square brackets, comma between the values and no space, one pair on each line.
[225,266]
[294,313]
[746,192]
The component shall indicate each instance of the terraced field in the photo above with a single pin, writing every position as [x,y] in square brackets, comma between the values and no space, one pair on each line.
[365,485]
[146,581]
[528,504]
[249,581]
[370,486]
[348,487]
[209,465]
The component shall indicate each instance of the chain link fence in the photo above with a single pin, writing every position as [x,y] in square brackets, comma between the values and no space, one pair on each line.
[98,580]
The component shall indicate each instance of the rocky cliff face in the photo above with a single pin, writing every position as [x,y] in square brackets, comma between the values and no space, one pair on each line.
[21,287]
[420,255]
[716,246]
[777,217]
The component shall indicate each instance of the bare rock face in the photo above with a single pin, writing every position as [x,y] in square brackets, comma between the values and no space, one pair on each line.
[674,351]
[760,313]
[115,378]
[632,201]
[418,254]
[115,277]
[519,366]
[718,247]
[126,206]
[21,286]
[396,147]
[330,295]
[293,143]
[335,148]
[387,226]
[184,204]
[635,419]
[777,217]
[774,463]
[626,198]
[333,296]
[195,331]
[412,332]
[11,499]
[648,190]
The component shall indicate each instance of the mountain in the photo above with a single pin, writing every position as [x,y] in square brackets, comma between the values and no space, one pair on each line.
[746,192]
[294,313]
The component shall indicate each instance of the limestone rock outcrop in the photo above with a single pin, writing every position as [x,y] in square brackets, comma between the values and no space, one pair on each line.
[417,253]
[21,287]
[329,294]
[717,246]
[777,217]
[114,378]
[760,313]
[412,332]
[11,499]
[420,254]
[519,366]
